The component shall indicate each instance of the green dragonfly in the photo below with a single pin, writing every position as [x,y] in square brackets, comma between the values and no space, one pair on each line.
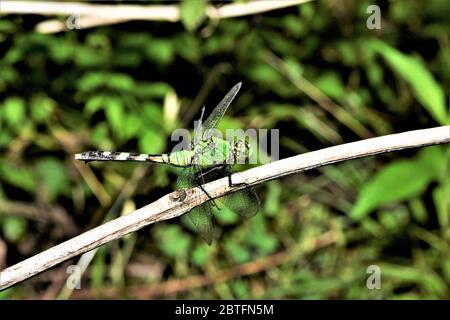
[208,158]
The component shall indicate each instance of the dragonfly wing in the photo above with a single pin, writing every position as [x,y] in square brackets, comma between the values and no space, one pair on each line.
[215,116]
[200,216]
[244,202]
[185,179]
[202,219]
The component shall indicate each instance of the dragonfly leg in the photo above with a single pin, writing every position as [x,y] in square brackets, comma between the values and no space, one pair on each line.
[199,179]
[227,168]
[212,169]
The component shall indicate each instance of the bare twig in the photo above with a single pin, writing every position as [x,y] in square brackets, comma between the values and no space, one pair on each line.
[122,11]
[181,201]
[91,15]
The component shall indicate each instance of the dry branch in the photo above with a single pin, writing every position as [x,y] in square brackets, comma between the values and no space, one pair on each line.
[91,15]
[181,201]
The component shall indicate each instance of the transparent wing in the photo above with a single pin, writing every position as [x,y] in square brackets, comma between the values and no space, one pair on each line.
[201,216]
[202,219]
[245,202]
[214,118]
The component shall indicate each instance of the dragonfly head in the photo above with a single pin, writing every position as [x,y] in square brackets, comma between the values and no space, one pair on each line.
[242,151]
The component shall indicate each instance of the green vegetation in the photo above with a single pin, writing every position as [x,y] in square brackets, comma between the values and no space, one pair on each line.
[315,71]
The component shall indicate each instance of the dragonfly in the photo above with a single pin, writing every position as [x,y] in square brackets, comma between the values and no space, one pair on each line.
[208,158]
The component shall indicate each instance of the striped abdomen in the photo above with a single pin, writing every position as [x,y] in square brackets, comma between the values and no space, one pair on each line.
[181,158]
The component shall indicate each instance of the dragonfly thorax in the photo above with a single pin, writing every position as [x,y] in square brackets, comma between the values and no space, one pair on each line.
[213,152]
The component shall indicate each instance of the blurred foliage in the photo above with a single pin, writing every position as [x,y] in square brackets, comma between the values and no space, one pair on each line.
[315,71]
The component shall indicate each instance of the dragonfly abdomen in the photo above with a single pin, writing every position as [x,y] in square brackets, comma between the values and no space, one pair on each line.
[181,158]
[117,156]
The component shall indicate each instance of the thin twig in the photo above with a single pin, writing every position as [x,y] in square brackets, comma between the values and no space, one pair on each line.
[91,15]
[182,201]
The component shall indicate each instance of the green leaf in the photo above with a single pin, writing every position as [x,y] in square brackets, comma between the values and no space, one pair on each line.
[160,51]
[418,210]
[188,46]
[14,228]
[91,81]
[17,176]
[427,279]
[12,56]
[6,294]
[264,73]
[294,25]
[441,200]
[100,136]
[120,82]
[52,174]
[200,254]
[95,103]
[152,116]
[238,253]
[89,57]
[347,52]
[434,160]
[396,182]
[7,26]
[62,51]
[272,199]
[258,236]
[331,84]
[374,73]
[8,75]
[127,58]
[42,107]
[425,88]
[5,138]
[192,13]
[240,289]
[151,142]
[14,111]
[132,126]
[115,115]
[394,219]
[152,89]
[173,241]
